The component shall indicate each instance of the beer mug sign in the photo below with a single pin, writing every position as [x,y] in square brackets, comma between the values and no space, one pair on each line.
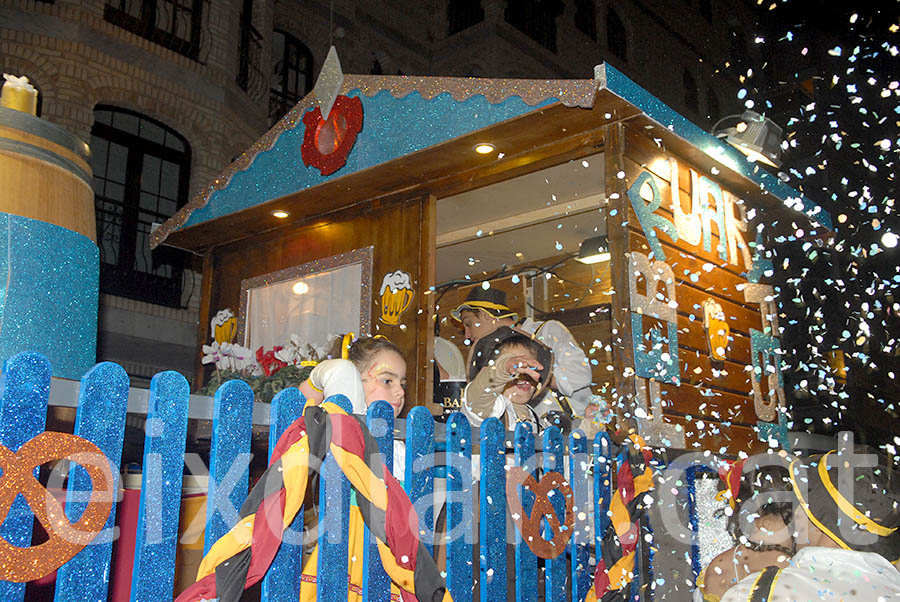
[717,329]
[396,296]
[223,326]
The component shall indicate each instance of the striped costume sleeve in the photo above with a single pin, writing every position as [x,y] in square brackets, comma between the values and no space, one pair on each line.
[241,557]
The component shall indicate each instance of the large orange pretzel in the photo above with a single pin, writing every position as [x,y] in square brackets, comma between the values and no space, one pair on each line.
[65,539]
[530,524]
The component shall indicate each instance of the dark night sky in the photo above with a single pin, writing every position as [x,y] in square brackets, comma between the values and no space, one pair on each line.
[843,152]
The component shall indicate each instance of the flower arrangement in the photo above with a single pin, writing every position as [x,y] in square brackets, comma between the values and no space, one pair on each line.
[266,371]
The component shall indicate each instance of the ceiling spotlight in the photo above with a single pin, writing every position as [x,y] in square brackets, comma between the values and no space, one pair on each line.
[280,213]
[594,250]
[756,136]
[484,148]
[300,288]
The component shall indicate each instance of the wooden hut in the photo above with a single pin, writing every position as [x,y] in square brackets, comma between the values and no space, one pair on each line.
[390,195]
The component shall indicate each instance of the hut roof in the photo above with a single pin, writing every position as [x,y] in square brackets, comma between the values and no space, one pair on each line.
[417,138]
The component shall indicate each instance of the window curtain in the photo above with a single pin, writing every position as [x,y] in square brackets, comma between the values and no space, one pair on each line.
[329,306]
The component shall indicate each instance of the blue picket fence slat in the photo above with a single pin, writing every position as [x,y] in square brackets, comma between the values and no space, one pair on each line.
[153,572]
[492,523]
[376,583]
[602,486]
[459,508]
[419,478]
[555,568]
[23,415]
[438,478]
[229,458]
[526,561]
[100,418]
[580,542]
[334,526]
[281,581]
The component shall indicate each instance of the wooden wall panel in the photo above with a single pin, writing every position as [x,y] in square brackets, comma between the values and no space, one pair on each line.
[715,394]
[395,232]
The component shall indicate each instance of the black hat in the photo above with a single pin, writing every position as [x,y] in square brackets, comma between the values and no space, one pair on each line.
[874,510]
[491,300]
[488,348]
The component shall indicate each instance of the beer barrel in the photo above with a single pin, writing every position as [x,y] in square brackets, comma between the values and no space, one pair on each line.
[46,173]
[49,261]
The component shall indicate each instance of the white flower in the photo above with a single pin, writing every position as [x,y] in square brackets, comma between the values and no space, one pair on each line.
[292,351]
[229,356]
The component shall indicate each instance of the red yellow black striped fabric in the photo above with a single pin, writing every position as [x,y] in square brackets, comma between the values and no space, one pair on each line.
[616,563]
[241,557]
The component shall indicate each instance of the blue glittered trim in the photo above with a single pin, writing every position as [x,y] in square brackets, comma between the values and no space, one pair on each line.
[51,277]
[617,82]
[392,128]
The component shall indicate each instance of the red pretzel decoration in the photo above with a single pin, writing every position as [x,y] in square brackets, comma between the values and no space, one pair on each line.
[530,525]
[65,539]
[326,144]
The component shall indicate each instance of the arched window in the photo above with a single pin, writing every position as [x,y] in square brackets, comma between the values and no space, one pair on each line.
[712,106]
[176,24]
[141,177]
[616,40]
[691,94]
[586,17]
[292,73]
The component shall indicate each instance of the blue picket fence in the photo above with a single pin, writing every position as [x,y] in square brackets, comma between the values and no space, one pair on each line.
[502,556]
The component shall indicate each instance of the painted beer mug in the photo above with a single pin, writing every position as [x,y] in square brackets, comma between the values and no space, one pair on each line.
[717,329]
[396,296]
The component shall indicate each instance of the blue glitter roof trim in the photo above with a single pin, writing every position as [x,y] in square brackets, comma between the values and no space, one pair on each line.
[619,84]
[279,171]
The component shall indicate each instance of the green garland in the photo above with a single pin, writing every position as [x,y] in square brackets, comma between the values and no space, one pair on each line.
[264,387]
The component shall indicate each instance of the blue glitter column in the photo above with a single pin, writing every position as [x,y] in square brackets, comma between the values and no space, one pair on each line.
[102,403]
[281,583]
[526,561]
[492,525]
[419,478]
[376,584]
[555,569]
[579,545]
[153,573]
[459,507]
[50,303]
[23,415]
[229,458]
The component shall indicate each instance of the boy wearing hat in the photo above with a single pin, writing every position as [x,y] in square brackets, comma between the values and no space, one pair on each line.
[846,535]
[485,310]
[510,369]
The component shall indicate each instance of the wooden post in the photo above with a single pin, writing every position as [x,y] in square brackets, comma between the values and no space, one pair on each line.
[424,321]
[619,245]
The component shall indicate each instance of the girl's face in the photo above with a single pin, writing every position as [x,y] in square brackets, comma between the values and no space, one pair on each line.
[385,379]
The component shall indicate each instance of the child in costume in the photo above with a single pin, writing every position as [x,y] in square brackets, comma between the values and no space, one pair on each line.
[846,549]
[765,539]
[510,369]
[373,371]
[240,558]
